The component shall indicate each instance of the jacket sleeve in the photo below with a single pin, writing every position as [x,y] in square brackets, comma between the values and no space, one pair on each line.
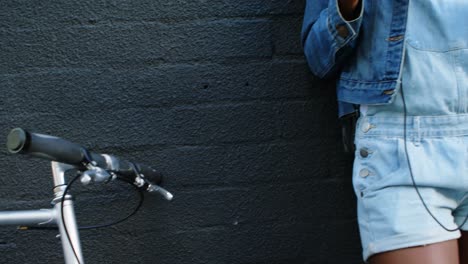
[327,38]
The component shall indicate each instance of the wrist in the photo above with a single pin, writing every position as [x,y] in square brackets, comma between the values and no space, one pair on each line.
[349,8]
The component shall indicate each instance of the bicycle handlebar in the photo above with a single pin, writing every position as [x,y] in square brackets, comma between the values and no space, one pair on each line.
[63,151]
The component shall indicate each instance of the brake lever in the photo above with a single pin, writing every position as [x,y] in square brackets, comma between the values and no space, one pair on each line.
[141,181]
[158,189]
[97,174]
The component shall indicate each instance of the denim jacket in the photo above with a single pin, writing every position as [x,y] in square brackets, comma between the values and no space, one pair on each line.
[366,53]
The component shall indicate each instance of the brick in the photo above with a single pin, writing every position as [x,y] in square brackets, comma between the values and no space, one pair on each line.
[147,126]
[219,39]
[302,119]
[268,243]
[57,14]
[134,43]
[287,35]
[166,85]
[237,164]
[291,203]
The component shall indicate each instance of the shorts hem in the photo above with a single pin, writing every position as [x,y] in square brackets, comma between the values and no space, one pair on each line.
[395,242]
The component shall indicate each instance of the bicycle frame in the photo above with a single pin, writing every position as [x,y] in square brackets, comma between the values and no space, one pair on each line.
[53,216]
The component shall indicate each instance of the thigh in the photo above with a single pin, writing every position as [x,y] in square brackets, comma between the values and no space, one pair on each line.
[463,247]
[444,252]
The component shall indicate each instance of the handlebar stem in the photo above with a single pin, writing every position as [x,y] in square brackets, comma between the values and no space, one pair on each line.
[58,174]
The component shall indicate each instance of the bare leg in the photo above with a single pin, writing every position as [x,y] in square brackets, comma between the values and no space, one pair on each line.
[443,252]
[463,247]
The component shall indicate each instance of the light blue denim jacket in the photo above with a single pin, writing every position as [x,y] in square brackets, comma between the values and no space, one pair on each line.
[366,53]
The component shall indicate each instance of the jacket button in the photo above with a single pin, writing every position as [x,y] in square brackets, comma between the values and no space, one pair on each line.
[389,92]
[342,31]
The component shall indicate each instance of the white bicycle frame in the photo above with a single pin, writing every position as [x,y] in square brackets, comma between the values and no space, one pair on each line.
[70,238]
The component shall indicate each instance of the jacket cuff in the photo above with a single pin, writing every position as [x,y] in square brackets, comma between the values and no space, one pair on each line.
[345,108]
[343,31]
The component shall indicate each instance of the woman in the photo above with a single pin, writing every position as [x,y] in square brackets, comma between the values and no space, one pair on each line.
[402,67]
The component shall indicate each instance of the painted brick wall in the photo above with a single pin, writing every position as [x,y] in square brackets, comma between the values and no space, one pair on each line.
[216,94]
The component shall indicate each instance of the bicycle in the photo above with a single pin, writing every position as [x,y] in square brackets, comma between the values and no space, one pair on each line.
[90,167]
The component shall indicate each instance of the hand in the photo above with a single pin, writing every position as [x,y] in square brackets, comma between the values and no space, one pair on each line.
[348,8]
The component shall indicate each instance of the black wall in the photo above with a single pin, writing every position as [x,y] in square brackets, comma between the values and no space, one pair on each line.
[216,94]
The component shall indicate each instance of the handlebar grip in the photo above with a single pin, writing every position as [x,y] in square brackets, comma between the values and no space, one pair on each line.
[45,146]
[64,151]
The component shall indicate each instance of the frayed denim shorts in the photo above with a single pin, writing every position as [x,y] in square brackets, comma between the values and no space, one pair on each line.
[390,213]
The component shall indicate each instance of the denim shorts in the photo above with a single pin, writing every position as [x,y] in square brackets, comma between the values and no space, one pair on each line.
[390,213]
